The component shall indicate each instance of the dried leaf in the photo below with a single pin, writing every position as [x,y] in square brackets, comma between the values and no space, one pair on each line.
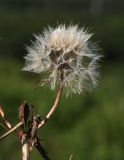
[25,115]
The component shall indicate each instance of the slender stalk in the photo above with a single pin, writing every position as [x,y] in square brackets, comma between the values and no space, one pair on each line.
[25,149]
[55,105]
[11,130]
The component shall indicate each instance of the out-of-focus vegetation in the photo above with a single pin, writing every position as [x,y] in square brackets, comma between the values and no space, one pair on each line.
[90,126]
[19,22]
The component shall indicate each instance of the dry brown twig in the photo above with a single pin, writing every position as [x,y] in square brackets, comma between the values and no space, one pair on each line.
[48,116]
[11,130]
[24,137]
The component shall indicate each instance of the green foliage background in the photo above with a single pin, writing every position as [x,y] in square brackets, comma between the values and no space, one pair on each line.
[91,127]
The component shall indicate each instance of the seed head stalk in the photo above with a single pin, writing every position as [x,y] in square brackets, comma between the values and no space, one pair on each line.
[70,60]
[55,105]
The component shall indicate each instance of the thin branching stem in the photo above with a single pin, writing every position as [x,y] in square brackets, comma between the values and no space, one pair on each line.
[48,116]
[11,130]
[55,105]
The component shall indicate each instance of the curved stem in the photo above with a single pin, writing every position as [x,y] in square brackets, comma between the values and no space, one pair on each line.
[55,105]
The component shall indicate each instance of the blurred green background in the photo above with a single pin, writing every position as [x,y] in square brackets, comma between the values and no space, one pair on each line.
[90,127]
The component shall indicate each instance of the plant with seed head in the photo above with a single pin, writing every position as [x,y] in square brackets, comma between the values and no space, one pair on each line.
[67,55]
[70,60]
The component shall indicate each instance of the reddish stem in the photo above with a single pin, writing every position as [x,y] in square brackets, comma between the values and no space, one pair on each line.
[55,105]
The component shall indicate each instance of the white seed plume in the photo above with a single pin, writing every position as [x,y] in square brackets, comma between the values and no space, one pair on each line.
[67,55]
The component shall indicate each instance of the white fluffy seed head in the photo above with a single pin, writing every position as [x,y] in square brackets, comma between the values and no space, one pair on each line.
[68,56]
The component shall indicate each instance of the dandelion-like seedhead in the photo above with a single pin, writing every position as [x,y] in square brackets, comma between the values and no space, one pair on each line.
[67,55]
